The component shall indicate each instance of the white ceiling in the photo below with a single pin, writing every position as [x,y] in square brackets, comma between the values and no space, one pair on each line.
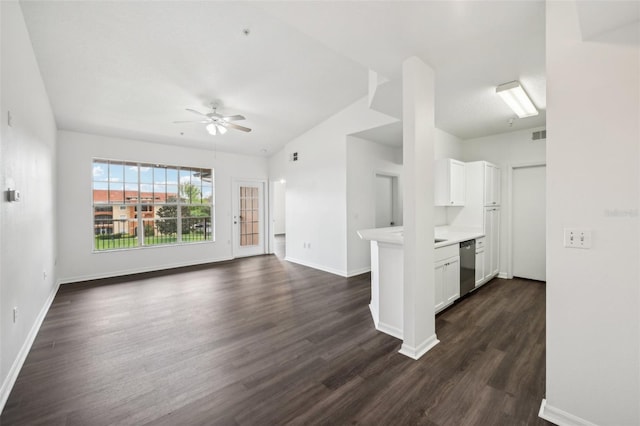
[129,69]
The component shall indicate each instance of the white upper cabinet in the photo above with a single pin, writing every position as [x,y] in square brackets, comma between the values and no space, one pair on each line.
[491,185]
[449,182]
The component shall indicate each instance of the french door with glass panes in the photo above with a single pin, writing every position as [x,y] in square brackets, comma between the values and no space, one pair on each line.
[248,218]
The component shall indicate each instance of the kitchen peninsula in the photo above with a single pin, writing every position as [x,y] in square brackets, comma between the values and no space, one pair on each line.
[387,272]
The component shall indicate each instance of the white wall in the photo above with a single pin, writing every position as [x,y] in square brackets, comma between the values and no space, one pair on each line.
[593,300]
[364,160]
[504,150]
[76,259]
[445,146]
[316,200]
[279,206]
[27,228]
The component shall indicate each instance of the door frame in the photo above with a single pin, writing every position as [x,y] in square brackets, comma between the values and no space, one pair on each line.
[396,205]
[511,168]
[266,214]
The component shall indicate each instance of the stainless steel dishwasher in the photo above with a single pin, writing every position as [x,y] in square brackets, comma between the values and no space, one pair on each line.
[467,266]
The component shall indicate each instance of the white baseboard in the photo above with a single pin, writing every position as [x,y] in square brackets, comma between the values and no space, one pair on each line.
[390,330]
[360,271]
[79,278]
[10,380]
[560,417]
[504,275]
[422,349]
[374,315]
[316,266]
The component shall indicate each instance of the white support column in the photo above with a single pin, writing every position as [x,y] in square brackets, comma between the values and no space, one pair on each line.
[418,139]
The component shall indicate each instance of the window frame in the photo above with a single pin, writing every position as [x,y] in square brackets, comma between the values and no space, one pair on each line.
[145,205]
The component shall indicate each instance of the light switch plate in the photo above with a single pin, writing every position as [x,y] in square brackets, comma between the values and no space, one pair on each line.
[577,238]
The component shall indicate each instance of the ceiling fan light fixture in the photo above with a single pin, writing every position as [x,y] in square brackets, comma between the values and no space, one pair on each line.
[514,95]
[211,128]
[221,129]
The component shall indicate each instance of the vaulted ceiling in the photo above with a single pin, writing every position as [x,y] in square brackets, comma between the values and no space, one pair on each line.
[129,69]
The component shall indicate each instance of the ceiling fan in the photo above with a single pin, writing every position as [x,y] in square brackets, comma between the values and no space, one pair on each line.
[217,123]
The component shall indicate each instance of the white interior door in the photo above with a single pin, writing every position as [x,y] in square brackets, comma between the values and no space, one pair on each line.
[248,219]
[529,222]
[384,201]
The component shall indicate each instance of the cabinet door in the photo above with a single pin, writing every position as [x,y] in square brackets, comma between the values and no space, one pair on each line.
[449,177]
[491,185]
[458,183]
[495,184]
[479,267]
[439,284]
[452,280]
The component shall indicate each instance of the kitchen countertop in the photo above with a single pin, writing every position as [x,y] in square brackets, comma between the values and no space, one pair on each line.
[395,235]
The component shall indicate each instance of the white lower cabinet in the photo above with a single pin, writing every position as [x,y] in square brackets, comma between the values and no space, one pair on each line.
[480,261]
[479,267]
[492,248]
[447,282]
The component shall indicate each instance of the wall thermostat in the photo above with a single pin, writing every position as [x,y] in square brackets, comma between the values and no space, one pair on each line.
[13,195]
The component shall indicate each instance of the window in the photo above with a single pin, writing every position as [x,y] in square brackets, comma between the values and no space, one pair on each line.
[157,204]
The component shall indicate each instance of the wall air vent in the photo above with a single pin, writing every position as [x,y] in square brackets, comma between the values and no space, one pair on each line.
[541,134]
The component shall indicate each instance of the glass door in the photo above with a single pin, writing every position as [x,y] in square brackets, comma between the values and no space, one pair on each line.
[248,219]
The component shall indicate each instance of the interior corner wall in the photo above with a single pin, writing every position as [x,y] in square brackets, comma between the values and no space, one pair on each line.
[364,160]
[593,182]
[77,261]
[316,195]
[279,191]
[27,227]
[505,150]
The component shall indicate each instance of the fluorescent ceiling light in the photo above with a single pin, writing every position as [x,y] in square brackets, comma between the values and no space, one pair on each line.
[514,95]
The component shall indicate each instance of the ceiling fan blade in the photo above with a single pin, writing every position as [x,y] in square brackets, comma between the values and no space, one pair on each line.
[196,112]
[235,126]
[233,118]
[187,121]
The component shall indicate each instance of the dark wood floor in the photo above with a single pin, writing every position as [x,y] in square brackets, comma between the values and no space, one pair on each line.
[262,341]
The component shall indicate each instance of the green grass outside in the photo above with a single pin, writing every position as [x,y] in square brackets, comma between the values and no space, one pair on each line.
[132,241]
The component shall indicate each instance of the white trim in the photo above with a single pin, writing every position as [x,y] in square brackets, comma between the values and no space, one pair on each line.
[390,330]
[416,353]
[509,272]
[271,235]
[316,266]
[360,271]
[560,417]
[504,275]
[374,315]
[79,278]
[10,380]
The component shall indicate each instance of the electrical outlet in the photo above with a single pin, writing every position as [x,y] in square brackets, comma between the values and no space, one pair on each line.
[15,314]
[577,238]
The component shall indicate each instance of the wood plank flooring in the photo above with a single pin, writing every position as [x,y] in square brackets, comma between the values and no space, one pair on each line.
[260,341]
